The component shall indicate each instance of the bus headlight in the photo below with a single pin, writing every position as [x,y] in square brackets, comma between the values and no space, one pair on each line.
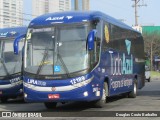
[85,93]
[25,95]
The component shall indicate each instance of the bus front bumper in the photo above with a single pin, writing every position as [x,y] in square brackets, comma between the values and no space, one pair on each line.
[87,92]
[10,90]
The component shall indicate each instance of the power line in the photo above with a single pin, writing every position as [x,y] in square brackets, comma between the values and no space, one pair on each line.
[115,5]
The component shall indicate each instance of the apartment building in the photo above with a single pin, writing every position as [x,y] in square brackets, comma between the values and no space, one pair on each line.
[11,13]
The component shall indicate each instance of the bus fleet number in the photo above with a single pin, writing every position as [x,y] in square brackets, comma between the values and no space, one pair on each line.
[77,80]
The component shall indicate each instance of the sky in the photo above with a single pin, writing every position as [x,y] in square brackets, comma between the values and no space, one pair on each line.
[120,9]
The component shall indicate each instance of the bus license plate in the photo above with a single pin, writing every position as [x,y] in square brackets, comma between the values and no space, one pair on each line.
[53,96]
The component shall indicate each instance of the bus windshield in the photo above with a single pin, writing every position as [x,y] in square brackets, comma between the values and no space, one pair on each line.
[56,50]
[9,62]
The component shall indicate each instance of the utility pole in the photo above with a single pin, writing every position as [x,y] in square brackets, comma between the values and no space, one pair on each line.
[136,5]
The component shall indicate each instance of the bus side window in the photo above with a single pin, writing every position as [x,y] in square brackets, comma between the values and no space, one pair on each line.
[96,53]
[98,40]
[116,37]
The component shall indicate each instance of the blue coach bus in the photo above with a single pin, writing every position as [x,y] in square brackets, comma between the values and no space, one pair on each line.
[10,64]
[81,56]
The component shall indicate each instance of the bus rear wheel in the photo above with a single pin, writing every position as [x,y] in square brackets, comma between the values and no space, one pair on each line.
[133,93]
[50,105]
[100,103]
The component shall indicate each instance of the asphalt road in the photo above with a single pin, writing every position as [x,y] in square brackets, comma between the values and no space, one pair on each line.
[148,99]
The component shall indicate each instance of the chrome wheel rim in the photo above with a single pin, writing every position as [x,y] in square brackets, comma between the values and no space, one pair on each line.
[135,88]
[104,95]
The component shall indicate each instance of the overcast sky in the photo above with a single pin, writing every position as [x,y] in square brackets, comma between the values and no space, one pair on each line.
[120,9]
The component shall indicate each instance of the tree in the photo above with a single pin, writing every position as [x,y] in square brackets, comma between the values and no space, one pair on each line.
[151,45]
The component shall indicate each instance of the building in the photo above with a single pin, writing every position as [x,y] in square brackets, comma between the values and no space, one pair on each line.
[85,5]
[11,13]
[40,7]
[151,29]
[80,4]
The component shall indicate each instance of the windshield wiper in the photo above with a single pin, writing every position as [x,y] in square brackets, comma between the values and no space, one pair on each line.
[64,65]
[5,68]
[41,64]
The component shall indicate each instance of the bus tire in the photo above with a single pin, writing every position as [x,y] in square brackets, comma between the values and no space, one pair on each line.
[101,102]
[133,93]
[149,79]
[50,105]
[4,99]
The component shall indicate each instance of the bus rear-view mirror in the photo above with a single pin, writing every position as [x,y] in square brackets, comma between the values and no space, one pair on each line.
[91,39]
[16,43]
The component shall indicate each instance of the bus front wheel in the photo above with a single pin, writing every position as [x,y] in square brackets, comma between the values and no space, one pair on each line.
[100,103]
[50,105]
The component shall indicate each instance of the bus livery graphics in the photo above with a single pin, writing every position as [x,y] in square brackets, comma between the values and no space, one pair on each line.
[106,32]
[121,64]
[10,64]
[81,56]
[128,46]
